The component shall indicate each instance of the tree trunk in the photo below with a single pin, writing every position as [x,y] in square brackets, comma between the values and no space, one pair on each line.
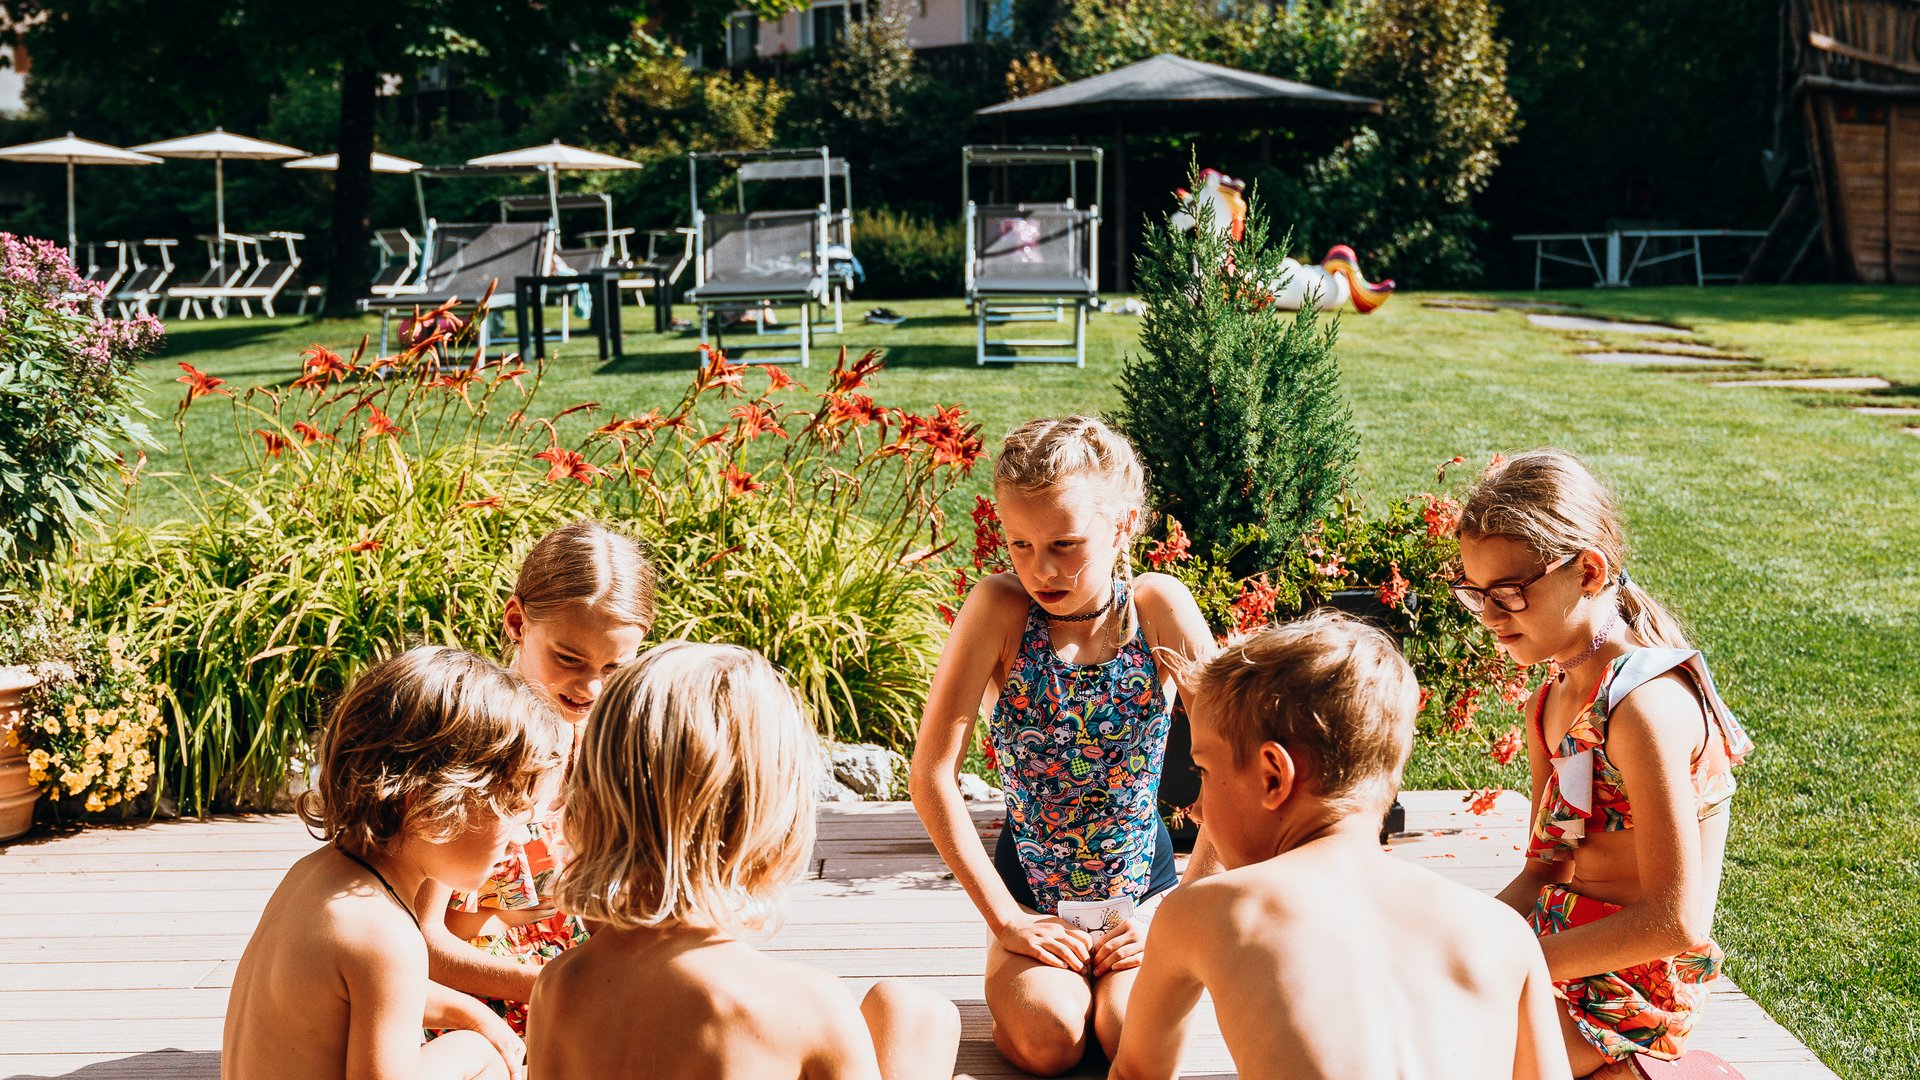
[351,259]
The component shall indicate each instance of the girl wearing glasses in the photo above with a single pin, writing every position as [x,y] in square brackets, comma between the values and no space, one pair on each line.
[1631,751]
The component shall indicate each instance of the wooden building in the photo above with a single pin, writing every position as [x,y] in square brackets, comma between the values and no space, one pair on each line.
[1859,92]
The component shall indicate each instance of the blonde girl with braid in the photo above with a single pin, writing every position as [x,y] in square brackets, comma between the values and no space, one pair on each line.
[1075,658]
[1632,754]
[581,608]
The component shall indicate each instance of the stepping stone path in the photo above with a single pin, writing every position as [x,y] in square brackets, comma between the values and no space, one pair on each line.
[1606,326]
[1866,382]
[1887,410]
[1664,359]
[1687,348]
[1516,305]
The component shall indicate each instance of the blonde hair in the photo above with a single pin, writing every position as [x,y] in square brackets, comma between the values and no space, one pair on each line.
[1328,686]
[422,742]
[1040,455]
[588,565]
[692,798]
[1552,503]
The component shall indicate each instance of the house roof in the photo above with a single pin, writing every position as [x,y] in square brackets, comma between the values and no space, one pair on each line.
[1174,83]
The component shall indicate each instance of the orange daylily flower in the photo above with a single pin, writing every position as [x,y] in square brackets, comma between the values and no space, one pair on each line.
[274,440]
[739,481]
[646,421]
[321,367]
[757,420]
[379,423]
[846,379]
[569,464]
[585,406]
[365,543]
[857,409]
[200,384]
[720,372]
[776,378]
[491,502]
[310,434]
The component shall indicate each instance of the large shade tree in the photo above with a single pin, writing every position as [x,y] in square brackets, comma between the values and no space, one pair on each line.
[182,59]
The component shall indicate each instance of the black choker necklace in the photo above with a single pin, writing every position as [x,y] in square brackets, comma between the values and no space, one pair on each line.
[1088,617]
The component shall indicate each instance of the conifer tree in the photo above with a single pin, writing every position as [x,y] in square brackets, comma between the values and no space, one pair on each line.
[1233,403]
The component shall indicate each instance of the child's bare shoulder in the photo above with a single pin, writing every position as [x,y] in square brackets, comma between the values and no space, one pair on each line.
[1159,593]
[1000,592]
[353,914]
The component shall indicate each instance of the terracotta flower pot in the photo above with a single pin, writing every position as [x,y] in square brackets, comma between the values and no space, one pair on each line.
[17,793]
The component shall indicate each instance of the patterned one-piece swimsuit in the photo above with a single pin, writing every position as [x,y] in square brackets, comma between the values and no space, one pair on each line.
[1080,749]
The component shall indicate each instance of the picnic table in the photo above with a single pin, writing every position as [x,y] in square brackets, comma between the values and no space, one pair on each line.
[1605,264]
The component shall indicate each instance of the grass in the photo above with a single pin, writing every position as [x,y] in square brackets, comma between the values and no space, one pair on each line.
[1781,528]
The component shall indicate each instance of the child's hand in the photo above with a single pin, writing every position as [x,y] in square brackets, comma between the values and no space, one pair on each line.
[511,1048]
[1049,940]
[1120,950]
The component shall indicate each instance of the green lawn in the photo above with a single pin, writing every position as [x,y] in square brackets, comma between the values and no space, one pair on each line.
[1782,528]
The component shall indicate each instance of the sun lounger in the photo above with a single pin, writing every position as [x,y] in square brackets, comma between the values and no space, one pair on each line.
[146,283]
[465,262]
[1028,262]
[260,273]
[750,262]
[399,267]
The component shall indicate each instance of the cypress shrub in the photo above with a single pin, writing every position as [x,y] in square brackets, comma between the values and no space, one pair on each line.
[1234,404]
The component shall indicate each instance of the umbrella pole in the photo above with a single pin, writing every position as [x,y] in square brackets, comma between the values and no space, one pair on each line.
[219,214]
[73,244]
[553,200]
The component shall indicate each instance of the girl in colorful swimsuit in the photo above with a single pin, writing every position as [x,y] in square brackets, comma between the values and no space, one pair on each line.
[581,607]
[1080,656]
[1632,753]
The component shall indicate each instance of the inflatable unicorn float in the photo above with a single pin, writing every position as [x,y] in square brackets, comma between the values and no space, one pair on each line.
[1331,285]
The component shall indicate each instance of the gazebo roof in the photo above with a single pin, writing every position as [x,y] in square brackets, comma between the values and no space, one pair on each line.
[1175,84]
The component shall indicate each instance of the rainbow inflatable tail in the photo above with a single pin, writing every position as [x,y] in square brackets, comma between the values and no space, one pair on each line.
[1366,296]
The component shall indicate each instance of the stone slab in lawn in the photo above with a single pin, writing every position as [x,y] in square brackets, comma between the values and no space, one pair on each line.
[1462,309]
[1887,410]
[1664,359]
[1847,382]
[1589,324]
[1687,348]
[1913,430]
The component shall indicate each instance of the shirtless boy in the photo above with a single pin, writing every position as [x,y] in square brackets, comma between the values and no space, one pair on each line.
[1324,956]
[689,811]
[430,763]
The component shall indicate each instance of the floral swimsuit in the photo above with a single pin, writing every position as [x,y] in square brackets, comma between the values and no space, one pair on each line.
[522,880]
[1080,748]
[1649,1008]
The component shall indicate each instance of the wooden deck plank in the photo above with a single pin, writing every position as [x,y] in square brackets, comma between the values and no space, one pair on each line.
[124,941]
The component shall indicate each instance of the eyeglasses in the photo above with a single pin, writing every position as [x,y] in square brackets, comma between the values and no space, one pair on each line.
[1509,597]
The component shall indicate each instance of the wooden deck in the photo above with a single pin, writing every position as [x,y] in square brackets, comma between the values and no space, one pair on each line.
[120,944]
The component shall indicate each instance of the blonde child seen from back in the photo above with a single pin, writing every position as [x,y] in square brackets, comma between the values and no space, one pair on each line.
[581,606]
[1325,957]
[1071,653]
[689,811]
[1631,752]
[429,765]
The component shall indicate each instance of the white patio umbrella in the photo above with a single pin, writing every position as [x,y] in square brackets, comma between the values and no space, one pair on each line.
[553,157]
[220,146]
[382,163]
[70,151]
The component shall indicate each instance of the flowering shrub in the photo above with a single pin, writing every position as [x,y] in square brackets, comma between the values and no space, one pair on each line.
[88,728]
[68,400]
[389,501]
[1396,566]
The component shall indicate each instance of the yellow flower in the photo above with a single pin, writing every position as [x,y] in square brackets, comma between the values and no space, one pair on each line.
[35,776]
[95,804]
[37,761]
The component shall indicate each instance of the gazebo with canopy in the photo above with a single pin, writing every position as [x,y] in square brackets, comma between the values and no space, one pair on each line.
[1172,93]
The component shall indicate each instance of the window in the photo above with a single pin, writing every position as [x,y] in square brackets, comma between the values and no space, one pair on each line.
[826,21]
[992,19]
[743,38]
